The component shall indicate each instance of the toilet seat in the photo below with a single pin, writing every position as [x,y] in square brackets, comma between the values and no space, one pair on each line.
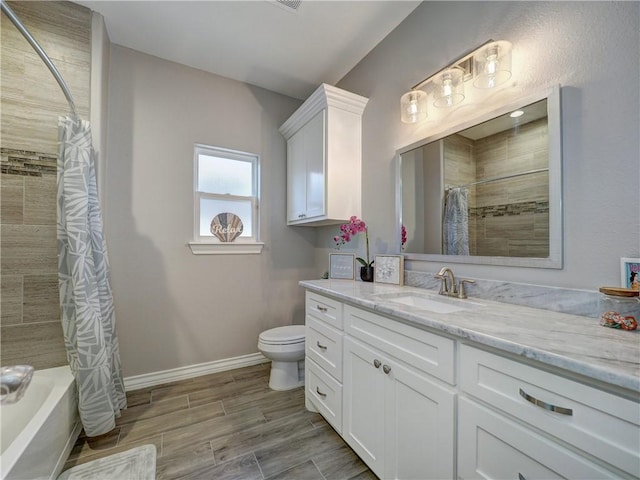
[287,335]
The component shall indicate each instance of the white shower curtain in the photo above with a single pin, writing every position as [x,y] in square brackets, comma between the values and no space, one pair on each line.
[88,317]
[455,222]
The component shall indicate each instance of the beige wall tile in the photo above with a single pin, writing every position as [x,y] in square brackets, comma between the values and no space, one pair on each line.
[41,299]
[38,344]
[11,203]
[28,250]
[10,300]
[40,200]
[31,98]
[31,103]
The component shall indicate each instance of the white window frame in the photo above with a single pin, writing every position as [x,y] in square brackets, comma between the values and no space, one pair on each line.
[206,245]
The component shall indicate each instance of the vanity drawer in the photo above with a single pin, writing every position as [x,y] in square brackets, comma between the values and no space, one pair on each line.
[425,351]
[324,346]
[325,393]
[603,424]
[493,447]
[324,308]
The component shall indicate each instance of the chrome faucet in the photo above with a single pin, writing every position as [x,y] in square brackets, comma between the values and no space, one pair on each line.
[449,287]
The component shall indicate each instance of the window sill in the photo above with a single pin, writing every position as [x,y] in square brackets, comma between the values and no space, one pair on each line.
[203,248]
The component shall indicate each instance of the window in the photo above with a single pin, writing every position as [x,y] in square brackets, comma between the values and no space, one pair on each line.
[225,181]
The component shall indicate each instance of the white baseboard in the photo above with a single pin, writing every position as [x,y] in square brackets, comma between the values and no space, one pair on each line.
[182,373]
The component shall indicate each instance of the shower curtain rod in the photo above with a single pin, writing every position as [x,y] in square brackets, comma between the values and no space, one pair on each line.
[45,58]
[495,179]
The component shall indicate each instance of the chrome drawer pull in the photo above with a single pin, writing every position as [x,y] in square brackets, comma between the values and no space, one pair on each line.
[377,363]
[545,405]
[386,369]
[320,393]
[320,346]
[322,309]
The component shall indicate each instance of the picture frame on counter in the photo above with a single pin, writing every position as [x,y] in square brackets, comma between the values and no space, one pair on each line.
[630,273]
[342,266]
[389,269]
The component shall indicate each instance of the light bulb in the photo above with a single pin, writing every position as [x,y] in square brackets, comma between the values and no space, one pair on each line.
[492,61]
[447,89]
[412,109]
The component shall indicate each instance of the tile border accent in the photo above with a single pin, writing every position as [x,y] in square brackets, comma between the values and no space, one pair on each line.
[27,163]
[509,209]
[137,382]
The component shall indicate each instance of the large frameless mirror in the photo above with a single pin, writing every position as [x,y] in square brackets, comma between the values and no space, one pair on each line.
[488,192]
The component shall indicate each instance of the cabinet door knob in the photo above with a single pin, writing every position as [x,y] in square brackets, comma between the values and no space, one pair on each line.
[545,405]
[386,369]
[320,346]
[377,363]
[521,477]
[320,393]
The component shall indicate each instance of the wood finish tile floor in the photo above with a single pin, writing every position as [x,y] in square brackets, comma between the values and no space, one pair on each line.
[227,425]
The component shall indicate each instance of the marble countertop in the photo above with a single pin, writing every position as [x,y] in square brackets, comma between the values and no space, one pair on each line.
[571,342]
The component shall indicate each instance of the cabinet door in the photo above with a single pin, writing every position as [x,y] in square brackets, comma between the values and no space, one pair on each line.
[492,447]
[306,171]
[363,403]
[420,435]
[315,161]
[296,177]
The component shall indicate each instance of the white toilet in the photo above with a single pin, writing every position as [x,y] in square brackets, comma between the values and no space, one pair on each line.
[284,346]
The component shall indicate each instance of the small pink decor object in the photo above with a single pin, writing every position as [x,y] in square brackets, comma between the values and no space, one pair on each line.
[226,226]
[613,319]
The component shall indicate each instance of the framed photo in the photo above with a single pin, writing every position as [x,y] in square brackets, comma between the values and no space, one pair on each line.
[630,273]
[342,266]
[389,269]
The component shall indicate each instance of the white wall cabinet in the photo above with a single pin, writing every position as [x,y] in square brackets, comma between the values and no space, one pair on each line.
[324,158]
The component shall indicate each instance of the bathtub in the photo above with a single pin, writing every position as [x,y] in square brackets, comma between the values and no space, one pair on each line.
[38,432]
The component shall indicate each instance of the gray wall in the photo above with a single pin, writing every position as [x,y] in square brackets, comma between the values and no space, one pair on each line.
[174,308]
[591,49]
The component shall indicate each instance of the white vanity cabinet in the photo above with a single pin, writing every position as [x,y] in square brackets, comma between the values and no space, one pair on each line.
[323,358]
[415,403]
[324,158]
[549,411]
[398,419]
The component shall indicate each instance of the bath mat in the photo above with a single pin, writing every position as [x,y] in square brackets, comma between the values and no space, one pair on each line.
[136,464]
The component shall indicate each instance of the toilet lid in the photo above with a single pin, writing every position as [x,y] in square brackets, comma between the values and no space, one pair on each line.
[283,335]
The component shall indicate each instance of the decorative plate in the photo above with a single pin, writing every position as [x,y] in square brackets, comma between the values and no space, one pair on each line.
[226,226]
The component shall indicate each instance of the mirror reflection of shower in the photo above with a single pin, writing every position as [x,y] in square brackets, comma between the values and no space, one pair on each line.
[502,166]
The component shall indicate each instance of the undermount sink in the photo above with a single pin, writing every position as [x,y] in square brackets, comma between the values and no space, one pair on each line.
[431,302]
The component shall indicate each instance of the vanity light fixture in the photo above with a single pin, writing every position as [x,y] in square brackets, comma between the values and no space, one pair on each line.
[488,66]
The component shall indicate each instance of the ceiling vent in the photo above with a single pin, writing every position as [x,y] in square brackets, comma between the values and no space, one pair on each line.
[288,5]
